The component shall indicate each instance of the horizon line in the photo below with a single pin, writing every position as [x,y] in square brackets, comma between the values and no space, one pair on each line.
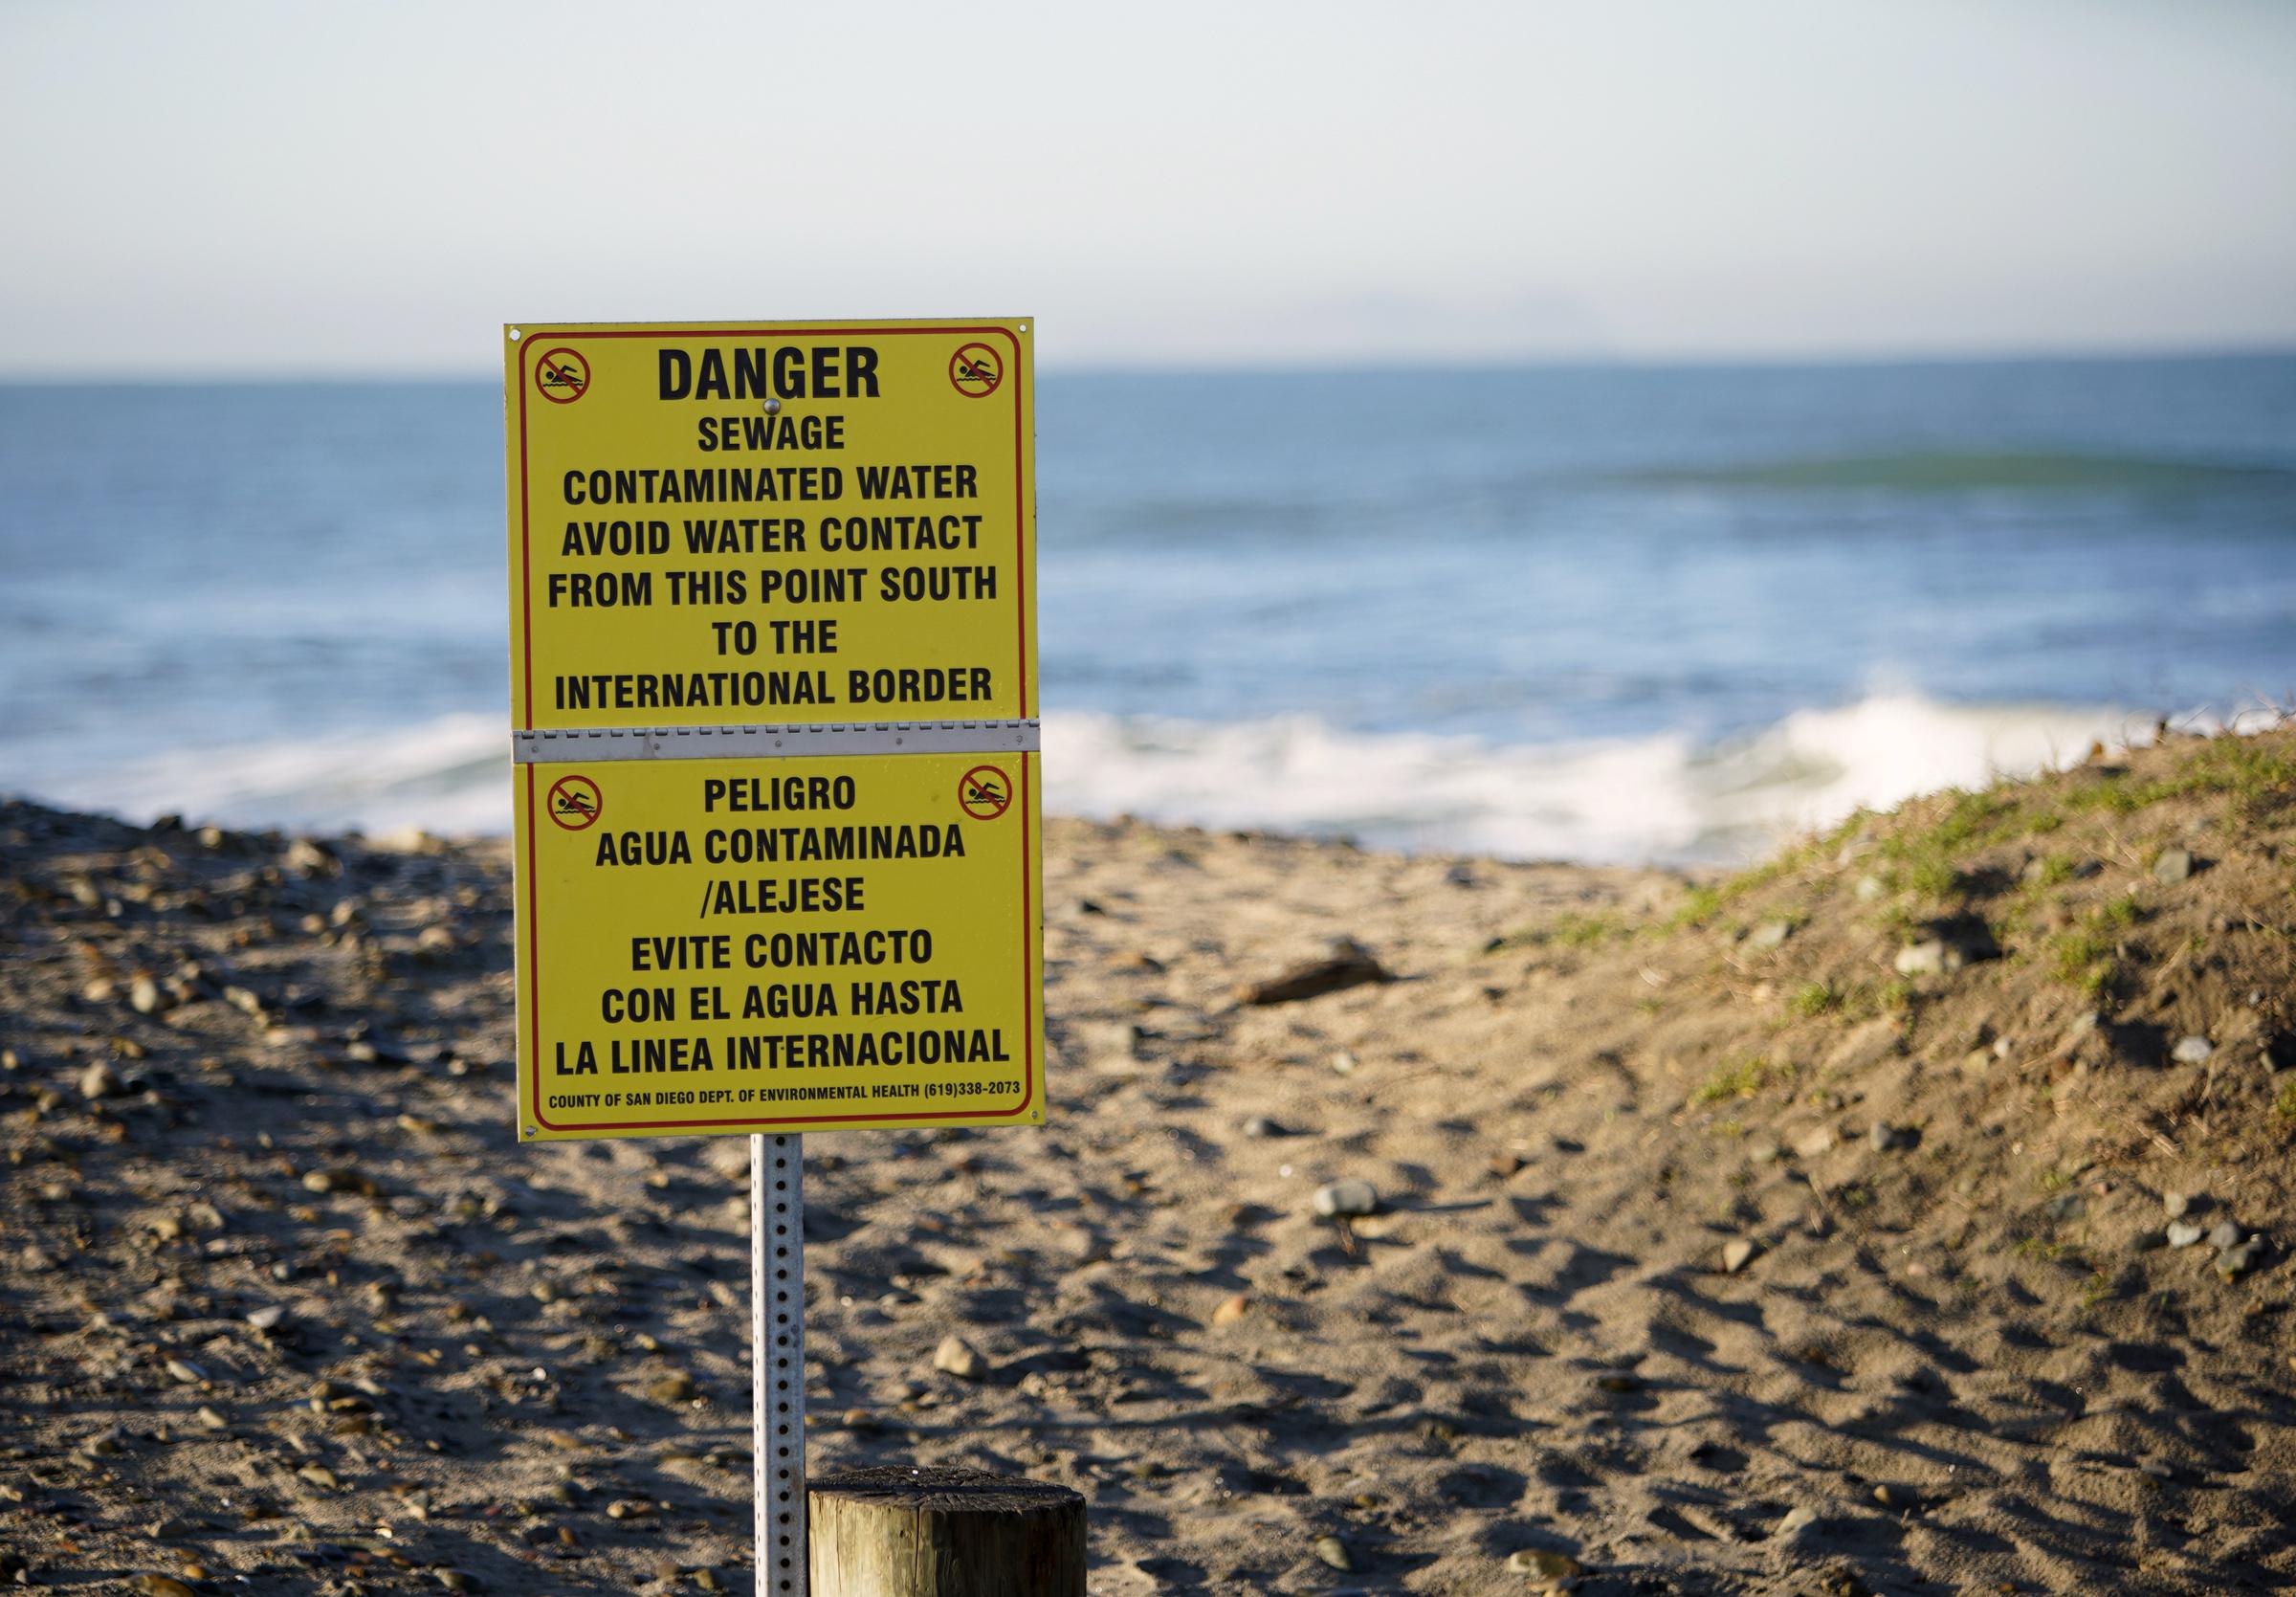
[1335,364]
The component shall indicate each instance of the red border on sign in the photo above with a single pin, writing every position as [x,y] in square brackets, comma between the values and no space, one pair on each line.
[1029,983]
[1020,474]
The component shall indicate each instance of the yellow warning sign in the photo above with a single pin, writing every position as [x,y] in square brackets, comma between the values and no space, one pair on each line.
[773,524]
[787,944]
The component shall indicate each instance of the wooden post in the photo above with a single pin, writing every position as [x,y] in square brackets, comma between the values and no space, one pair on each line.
[894,1532]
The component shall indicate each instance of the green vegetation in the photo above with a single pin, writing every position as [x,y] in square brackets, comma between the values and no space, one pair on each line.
[2055,869]
[1929,860]
[1935,878]
[2089,954]
[1702,903]
[1743,1079]
[1933,858]
[2285,1102]
[1813,999]
[1896,996]
[2258,779]
[1699,905]
[1568,930]
[1587,931]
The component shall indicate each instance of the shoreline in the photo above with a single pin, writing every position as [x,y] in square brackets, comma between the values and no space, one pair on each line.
[1651,799]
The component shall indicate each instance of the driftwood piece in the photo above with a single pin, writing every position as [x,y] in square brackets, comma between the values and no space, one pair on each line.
[1349,965]
[894,1532]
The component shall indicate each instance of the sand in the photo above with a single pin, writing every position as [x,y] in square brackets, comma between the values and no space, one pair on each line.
[1711,1254]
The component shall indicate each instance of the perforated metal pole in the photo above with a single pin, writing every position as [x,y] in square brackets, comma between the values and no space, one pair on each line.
[777,1355]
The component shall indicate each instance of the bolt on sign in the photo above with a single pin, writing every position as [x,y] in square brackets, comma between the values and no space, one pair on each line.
[773,685]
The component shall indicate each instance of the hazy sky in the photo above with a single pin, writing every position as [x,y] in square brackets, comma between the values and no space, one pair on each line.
[375,188]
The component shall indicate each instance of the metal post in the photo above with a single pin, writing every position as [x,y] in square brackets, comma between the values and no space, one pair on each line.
[777,1359]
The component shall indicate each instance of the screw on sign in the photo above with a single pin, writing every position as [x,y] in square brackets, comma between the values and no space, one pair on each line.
[562,375]
[575,803]
[984,792]
[976,371]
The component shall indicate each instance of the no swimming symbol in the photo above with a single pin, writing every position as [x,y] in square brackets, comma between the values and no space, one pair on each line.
[562,375]
[983,792]
[974,370]
[575,803]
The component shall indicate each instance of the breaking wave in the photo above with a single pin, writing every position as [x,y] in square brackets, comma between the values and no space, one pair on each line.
[1665,798]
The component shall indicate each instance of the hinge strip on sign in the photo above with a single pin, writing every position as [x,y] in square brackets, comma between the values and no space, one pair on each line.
[734,742]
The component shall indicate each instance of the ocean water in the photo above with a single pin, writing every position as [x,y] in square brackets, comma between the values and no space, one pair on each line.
[1604,613]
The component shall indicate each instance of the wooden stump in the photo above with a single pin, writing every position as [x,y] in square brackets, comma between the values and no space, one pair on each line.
[894,1532]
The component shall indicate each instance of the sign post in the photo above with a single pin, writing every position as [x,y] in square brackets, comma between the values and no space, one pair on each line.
[773,684]
[777,1359]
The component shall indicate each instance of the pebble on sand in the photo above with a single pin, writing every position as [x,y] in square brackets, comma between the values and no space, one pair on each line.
[1352,1196]
[677,1386]
[2173,865]
[2192,1051]
[1334,1552]
[1929,958]
[954,1356]
[2235,1262]
[1737,1254]
[1546,1563]
[1820,1140]
[1231,1309]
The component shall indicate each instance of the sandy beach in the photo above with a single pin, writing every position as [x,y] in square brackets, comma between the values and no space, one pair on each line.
[1876,1221]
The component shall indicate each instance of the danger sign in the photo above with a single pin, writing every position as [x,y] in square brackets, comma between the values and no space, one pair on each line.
[786,944]
[772,523]
[773,682]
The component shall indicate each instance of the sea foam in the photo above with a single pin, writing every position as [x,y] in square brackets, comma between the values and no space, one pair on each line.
[1669,799]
